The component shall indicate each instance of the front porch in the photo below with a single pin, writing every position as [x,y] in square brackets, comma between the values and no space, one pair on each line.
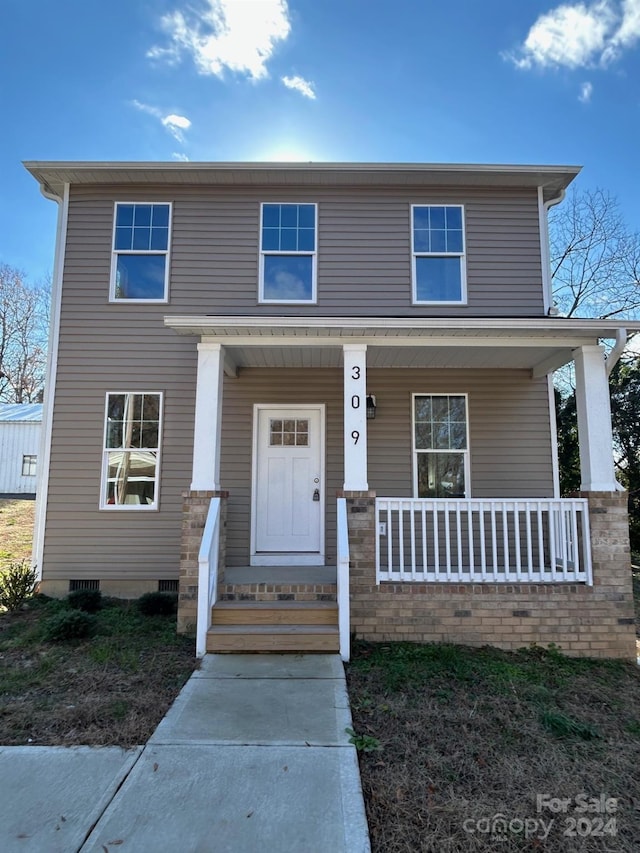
[508,563]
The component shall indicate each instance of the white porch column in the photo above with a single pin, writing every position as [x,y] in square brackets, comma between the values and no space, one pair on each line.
[355,417]
[207,430]
[594,421]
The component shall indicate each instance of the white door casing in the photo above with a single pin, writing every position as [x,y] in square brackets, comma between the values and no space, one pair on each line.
[288,467]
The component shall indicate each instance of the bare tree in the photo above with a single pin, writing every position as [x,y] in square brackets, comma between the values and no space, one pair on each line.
[595,258]
[24,313]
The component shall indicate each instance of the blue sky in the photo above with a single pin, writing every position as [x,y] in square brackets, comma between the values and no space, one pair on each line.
[466,81]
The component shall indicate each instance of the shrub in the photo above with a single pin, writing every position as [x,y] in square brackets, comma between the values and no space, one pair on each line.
[69,625]
[157,604]
[89,600]
[17,584]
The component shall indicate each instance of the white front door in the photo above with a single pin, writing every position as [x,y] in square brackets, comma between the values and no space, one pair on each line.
[288,485]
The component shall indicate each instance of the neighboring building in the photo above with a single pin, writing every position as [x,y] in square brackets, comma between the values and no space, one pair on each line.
[20,426]
[240,343]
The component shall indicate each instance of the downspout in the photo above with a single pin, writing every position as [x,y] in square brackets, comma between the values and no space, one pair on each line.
[549,310]
[614,356]
[44,456]
[545,254]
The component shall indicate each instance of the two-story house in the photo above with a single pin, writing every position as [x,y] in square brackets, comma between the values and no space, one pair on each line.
[317,400]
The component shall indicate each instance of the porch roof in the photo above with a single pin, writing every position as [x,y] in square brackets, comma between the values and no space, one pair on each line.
[537,344]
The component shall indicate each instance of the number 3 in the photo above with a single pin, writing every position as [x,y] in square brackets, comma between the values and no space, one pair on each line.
[356,373]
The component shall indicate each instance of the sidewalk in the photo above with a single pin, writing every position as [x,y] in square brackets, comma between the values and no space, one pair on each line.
[252,756]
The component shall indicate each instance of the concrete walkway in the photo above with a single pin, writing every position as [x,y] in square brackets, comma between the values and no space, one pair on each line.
[252,756]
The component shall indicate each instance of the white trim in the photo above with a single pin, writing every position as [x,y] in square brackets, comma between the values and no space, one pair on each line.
[273,327]
[414,450]
[113,300]
[553,426]
[155,506]
[287,558]
[462,256]
[262,300]
[44,454]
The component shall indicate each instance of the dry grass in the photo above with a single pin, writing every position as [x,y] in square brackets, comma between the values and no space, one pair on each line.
[111,689]
[16,530]
[469,734]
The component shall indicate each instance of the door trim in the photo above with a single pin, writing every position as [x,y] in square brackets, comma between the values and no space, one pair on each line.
[287,558]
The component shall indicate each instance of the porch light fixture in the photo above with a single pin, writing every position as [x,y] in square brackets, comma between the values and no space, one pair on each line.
[371,407]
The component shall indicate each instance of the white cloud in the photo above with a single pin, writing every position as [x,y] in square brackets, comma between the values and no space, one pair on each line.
[299,84]
[175,124]
[586,90]
[234,35]
[179,156]
[580,35]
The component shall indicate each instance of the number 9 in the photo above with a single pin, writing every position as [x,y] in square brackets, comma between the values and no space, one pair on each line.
[355,435]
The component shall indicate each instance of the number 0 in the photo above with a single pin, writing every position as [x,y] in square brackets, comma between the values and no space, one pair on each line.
[355,402]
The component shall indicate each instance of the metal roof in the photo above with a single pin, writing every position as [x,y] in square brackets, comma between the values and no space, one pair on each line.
[53,175]
[19,412]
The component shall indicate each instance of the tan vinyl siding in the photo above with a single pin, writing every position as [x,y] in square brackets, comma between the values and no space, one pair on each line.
[363,269]
[364,248]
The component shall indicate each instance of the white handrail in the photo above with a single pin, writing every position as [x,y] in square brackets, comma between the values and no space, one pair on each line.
[443,540]
[207,575]
[343,580]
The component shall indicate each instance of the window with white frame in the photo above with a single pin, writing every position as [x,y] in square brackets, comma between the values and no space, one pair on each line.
[29,462]
[288,252]
[131,453]
[438,254]
[440,445]
[140,259]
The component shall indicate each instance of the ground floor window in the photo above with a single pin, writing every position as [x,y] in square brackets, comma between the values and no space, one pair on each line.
[440,446]
[29,461]
[131,451]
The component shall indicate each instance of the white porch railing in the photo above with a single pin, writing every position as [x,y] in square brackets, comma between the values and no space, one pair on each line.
[475,541]
[343,580]
[207,574]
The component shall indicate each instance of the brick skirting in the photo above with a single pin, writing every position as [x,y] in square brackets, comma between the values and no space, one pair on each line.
[596,621]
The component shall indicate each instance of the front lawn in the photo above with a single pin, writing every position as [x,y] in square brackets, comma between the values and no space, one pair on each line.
[111,688]
[479,749]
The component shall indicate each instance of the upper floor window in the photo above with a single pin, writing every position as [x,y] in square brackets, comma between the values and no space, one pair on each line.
[140,261]
[131,451]
[440,445]
[438,258]
[288,253]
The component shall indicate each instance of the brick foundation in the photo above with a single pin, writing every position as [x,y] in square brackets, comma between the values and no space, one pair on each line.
[592,621]
[195,506]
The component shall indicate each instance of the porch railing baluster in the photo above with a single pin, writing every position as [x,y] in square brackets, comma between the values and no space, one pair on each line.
[530,541]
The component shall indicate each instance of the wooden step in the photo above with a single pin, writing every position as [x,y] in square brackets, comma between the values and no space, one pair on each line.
[275,613]
[273,638]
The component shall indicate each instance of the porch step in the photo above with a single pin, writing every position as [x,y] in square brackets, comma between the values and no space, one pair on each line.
[275,613]
[273,638]
[274,626]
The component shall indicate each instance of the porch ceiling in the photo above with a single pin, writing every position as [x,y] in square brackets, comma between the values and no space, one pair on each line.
[539,345]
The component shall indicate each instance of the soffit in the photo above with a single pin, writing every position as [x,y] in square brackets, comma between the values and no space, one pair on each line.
[399,343]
